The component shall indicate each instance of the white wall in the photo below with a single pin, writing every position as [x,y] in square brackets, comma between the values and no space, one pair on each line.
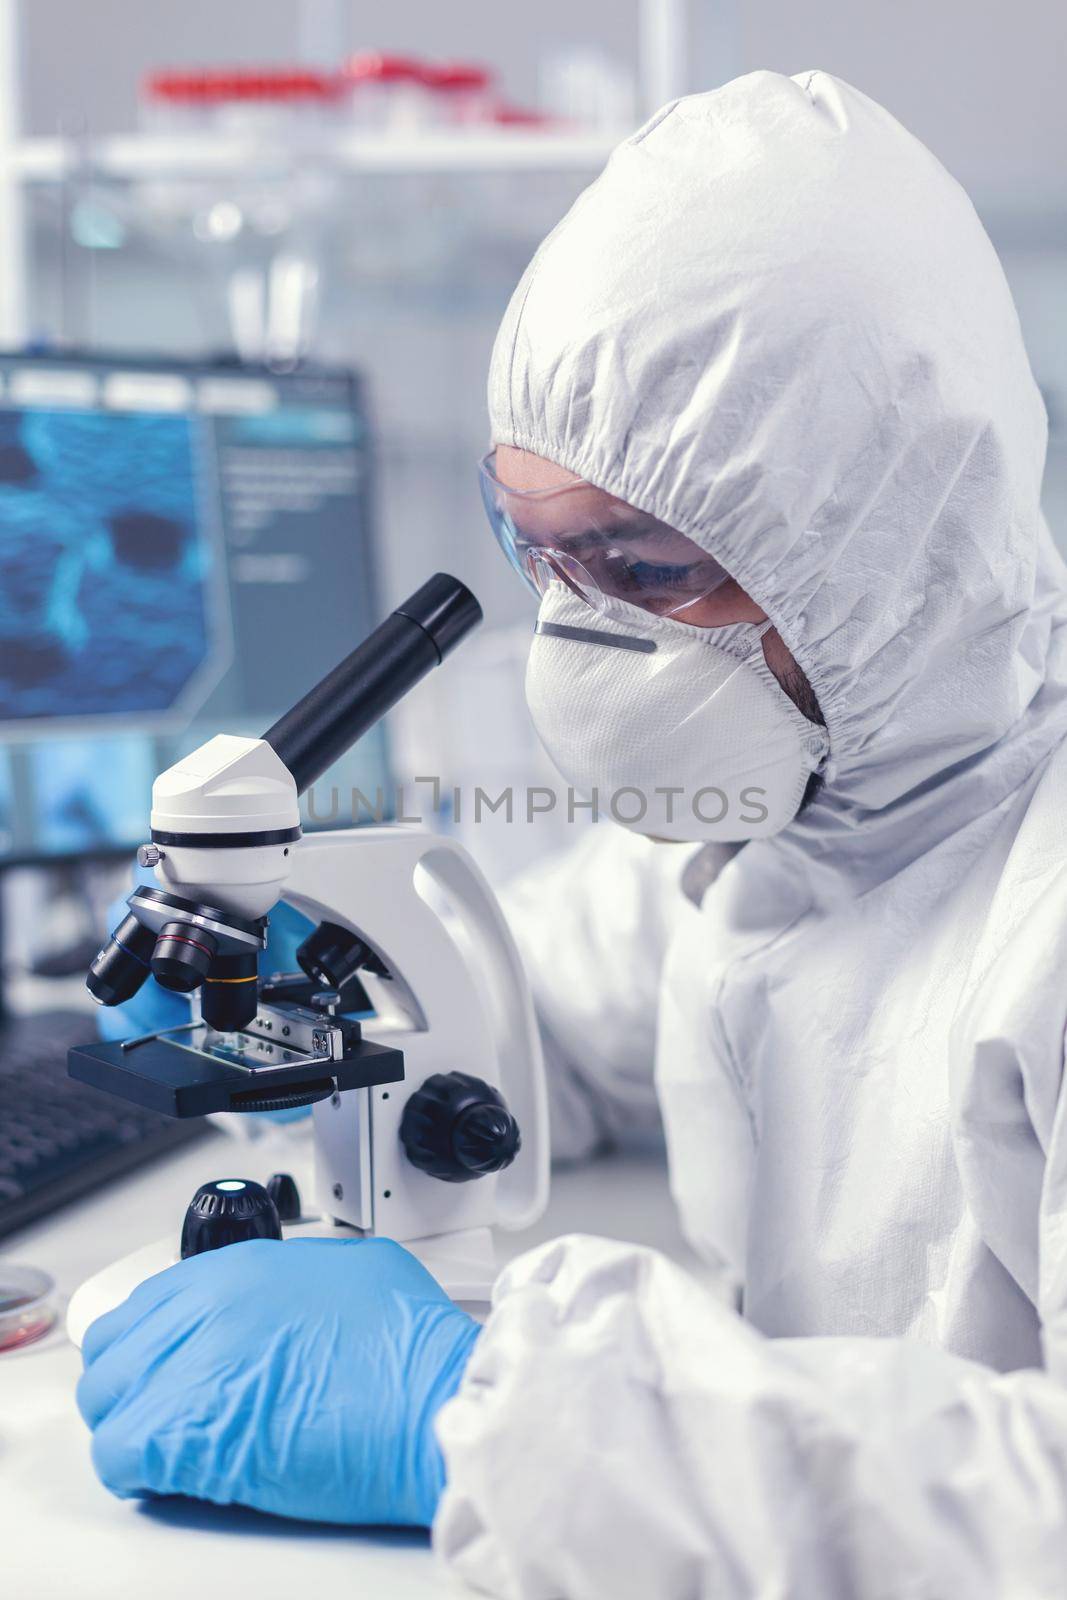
[980,81]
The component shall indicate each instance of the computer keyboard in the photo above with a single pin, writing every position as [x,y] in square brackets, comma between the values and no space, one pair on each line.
[59,1138]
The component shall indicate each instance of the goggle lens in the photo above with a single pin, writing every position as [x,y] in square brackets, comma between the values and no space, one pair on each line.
[621,554]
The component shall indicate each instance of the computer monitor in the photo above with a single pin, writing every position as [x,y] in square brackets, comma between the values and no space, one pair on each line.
[184,550]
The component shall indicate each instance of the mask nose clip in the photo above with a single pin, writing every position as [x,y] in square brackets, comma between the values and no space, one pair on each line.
[613,641]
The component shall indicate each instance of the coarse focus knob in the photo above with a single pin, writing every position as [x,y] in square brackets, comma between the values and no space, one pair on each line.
[457,1128]
[228,1211]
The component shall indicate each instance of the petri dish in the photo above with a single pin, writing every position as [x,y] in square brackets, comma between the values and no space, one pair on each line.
[27,1305]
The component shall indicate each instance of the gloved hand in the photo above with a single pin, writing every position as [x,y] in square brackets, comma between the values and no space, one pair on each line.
[300,1378]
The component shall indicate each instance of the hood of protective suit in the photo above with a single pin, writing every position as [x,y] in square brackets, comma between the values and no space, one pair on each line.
[776,323]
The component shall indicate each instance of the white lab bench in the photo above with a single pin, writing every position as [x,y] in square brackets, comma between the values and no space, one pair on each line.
[62,1534]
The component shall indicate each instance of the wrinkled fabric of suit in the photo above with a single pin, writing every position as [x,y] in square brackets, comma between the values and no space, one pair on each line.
[775,323]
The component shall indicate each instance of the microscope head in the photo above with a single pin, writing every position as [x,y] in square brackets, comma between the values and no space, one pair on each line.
[226,819]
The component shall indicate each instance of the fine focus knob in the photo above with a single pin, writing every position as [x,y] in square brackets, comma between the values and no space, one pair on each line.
[228,1211]
[457,1128]
[286,1196]
[331,954]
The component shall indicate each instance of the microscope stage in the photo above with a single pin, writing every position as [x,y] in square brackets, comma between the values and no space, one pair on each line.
[199,1071]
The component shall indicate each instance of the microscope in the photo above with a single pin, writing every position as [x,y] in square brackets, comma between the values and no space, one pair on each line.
[429,1108]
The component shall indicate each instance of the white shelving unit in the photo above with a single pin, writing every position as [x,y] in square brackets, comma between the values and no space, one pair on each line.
[139,156]
[662,50]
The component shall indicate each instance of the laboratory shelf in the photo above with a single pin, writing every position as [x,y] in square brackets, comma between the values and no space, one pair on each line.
[135,157]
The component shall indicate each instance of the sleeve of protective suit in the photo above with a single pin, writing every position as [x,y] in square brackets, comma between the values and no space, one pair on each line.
[593,924]
[620,1432]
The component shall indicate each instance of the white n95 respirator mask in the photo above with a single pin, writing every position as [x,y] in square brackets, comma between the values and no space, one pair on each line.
[678,732]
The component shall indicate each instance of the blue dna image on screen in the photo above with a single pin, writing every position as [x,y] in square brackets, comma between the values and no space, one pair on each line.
[105,565]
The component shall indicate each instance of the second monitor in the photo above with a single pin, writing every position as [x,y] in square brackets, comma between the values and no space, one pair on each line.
[180,547]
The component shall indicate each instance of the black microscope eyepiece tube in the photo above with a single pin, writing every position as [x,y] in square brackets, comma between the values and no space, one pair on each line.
[359,691]
[444,609]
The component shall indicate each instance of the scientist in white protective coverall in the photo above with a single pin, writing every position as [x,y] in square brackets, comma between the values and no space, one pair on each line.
[768,446]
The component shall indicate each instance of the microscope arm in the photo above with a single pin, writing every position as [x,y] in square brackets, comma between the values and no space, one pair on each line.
[456,998]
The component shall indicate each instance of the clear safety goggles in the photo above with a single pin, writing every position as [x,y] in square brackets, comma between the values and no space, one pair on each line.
[600,547]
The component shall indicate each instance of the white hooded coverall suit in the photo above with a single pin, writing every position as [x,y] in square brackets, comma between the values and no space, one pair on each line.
[776,324]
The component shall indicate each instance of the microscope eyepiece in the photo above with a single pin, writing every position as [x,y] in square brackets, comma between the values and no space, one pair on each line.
[413,640]
[444,609]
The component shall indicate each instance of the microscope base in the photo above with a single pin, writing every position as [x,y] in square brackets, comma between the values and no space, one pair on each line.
[464,1264]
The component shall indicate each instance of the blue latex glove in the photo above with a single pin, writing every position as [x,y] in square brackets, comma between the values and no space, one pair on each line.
[300,1378]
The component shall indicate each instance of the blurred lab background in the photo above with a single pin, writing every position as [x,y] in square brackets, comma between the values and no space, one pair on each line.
[252,259]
